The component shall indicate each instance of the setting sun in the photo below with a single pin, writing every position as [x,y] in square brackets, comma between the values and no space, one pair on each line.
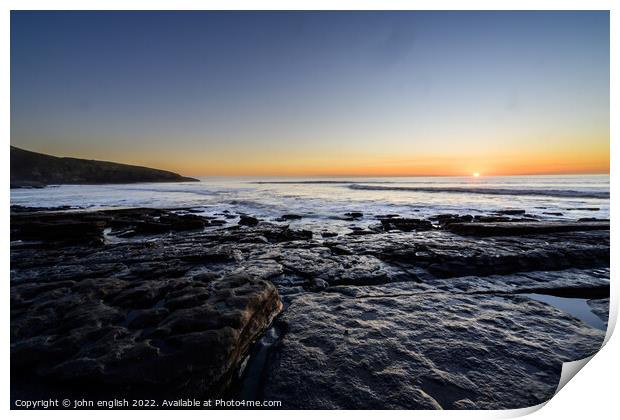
[476,174]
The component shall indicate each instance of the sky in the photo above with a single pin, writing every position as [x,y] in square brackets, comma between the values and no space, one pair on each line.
[316,93]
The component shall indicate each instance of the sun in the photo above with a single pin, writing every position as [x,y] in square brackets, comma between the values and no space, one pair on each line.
[476,174]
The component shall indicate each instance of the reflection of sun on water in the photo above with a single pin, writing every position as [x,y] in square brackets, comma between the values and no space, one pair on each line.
[476,174]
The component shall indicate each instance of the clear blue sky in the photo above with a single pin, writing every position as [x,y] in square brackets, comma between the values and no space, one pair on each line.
[316,92]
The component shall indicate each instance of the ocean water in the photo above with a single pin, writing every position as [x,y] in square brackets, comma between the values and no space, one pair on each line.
[578,308]
[323,201]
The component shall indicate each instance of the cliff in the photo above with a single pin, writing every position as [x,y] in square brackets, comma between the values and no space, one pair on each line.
[31,169]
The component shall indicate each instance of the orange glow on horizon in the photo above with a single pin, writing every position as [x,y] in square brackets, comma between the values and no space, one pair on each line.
[576,157]
[507,164]
[397,168]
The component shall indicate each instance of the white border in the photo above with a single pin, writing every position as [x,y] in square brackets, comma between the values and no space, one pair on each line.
[591,395]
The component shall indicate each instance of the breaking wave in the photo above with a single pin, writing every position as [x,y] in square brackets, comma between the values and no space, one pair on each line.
[487,191]
[317,182]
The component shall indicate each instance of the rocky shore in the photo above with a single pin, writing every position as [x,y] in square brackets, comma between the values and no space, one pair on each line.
[407,313]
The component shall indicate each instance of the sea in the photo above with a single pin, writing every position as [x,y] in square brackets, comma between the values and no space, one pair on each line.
[323,202]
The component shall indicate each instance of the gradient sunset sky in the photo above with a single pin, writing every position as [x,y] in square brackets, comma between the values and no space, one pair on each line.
[316,93]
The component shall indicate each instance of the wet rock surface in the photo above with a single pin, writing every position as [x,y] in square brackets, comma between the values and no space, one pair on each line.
[410,313]
[165,337]
[600,308]
[425,351]
[526,228]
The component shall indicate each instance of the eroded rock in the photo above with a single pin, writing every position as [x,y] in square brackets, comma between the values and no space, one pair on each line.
[423,351]
[181,337]
[403,314]
[525,228]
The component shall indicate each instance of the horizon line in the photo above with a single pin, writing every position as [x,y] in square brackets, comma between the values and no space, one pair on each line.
[482,175]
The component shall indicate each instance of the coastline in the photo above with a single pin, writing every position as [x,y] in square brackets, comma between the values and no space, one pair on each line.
[124,298]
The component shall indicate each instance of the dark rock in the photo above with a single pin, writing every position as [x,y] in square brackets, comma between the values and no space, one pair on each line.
[491,219]
[286,234]
[406,225]
[355,214]
[144,318]
[184,222]
[361,232]
[523,228]
[22,209]
[446,219]
[397,319]
[262,268]
[329,234]
[600,307]
[190,347]
[510,212]
[340,250]
[439,253]
[317,285]
[206,277]
[248,220]
[255,240]
[65,231]
[474,351]
[87,227]
[166,223]
[576,283]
